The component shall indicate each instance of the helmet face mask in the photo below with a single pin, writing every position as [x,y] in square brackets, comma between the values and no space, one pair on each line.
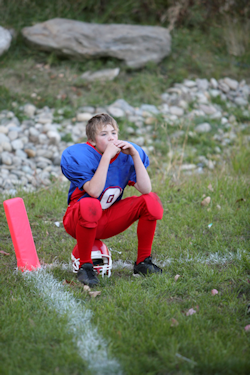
[102,263]
[101,258]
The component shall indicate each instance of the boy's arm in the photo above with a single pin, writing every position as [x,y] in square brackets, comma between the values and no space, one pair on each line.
[143,184]
[95,186]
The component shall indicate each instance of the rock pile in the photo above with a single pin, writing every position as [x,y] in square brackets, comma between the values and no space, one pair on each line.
[30,150]
[5,40]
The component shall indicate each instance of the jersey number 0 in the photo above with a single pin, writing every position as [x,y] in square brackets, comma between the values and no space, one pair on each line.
[109,196]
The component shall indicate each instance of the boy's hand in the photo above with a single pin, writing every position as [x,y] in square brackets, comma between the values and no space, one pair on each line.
[112,150]
[126,147]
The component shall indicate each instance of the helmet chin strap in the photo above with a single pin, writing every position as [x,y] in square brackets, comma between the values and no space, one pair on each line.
[75,263]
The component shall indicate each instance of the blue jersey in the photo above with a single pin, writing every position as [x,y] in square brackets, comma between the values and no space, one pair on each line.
[80,162]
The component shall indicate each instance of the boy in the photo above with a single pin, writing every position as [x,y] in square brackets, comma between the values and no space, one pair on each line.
[99,170]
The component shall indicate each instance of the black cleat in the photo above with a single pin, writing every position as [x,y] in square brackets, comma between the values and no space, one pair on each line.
[87,275]
[146,267]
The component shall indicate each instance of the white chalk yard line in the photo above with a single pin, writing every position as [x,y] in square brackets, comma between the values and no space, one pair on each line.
[92,347]
[212,258]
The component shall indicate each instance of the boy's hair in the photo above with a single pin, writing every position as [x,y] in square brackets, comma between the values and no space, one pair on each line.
[98,121]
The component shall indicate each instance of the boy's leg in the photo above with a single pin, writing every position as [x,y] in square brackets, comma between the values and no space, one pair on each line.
[146,208]
[81,221]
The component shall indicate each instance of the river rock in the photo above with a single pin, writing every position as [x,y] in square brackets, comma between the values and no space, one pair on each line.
[45,117]
[223,86]
[140,141]
[30,152]
[189,83]
[214,83]
[164,108]
[6,158]
[231,83]
[210,164]
[202,84]
[240,101]
[54,136]
[87,109]
[4,129]
[101,75]
[42,139]
[7,184]
[13,134]
[149,121]
[122,104]
[214,93]
[44,152]
[116,112]
[21,154]
[177,111]
[208,109]
[17,144]
[34,135]
[150,109]
[130,130]
[201,98]
[46,127]
[203,128]
[177,134]
[135,45]
[29,110]
[183,104]
[84,116]
[27,170]
[5,40]
[3,138]
[6,146]
[188,167]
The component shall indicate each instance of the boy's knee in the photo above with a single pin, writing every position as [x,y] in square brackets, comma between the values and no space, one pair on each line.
[90,212]
[154,206]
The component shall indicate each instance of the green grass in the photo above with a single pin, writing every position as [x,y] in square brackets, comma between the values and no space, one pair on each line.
[241,161]
[134,315]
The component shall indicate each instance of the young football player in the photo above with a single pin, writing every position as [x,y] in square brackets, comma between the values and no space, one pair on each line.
[99,171]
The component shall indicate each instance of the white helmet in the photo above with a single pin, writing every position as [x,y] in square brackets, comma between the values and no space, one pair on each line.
[100,255]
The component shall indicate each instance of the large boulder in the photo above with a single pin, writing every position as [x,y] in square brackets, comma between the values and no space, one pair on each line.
[5,40]
[136,45]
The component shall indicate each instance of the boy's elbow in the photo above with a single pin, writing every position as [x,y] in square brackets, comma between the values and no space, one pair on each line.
[148,188]
[94,194]
[144,189]
[148,191]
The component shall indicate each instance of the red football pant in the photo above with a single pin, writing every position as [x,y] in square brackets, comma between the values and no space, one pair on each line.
[86,221]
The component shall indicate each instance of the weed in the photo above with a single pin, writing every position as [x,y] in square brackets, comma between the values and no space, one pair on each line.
[67,138]
[236,34]
[241,160]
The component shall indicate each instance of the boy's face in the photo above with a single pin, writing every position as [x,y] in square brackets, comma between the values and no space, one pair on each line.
[104,136]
